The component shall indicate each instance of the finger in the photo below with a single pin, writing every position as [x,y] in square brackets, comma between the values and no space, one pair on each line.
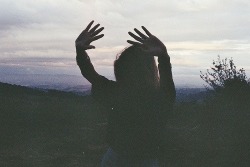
[94,28]
[90,47]
[81,35]
[140,34]
[96,38]
[97,31]
[134,43]
[85,30]
[90,24]
[146,31]
[135,37]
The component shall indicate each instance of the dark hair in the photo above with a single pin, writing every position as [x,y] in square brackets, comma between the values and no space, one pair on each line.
[136,68]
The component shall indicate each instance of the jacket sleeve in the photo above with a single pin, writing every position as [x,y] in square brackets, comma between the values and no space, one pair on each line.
[167,100]
[102,88]
[167,87]
[86,67]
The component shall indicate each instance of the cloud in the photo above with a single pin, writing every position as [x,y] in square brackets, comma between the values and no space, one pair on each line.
[26,12]
[40,34]
[34,61]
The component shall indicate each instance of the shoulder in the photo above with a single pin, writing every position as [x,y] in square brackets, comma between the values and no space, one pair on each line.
[103,88]
[103,83]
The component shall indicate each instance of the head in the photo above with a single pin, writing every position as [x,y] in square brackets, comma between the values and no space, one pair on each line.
[136,69]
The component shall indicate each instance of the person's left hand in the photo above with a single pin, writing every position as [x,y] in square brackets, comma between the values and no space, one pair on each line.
[150,43]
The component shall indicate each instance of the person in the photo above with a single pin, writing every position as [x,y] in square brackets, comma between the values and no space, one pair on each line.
[138,102]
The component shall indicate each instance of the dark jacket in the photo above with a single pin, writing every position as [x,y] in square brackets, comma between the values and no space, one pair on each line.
[135,118]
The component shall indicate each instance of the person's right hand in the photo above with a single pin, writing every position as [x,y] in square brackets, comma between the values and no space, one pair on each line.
[87,36]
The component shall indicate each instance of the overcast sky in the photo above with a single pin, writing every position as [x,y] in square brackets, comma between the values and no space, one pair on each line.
[37,36]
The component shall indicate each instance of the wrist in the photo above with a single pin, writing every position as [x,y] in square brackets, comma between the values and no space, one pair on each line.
[164,51]
[80,51]
[164,54]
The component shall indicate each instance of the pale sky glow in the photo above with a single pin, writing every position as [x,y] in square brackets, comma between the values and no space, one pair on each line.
[37,36]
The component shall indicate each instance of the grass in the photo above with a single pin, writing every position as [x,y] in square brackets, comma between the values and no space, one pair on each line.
[56,129]
[50,129]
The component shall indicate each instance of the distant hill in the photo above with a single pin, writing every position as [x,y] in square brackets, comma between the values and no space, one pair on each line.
[17,90]
[183,94]
[45,81]
[191,94]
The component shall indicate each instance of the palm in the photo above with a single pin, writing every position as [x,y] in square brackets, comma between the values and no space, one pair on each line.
[149,43]
[87,36]
[153,45]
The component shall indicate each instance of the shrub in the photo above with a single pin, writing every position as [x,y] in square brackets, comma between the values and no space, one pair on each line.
[231,87]
[224,75]
[226,117]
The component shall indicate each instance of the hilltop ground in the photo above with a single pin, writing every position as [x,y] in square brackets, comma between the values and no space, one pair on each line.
[56,129]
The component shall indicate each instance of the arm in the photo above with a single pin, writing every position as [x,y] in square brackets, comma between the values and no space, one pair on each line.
[152,45]
[82,44]
[86,67]
[155,47]
[166,81]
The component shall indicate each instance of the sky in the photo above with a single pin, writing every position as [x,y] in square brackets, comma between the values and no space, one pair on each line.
[37,36]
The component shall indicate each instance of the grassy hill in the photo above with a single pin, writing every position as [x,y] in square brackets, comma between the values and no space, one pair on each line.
[49,128]
[57,129]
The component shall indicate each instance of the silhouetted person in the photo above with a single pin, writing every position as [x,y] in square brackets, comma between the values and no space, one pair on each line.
[138,101]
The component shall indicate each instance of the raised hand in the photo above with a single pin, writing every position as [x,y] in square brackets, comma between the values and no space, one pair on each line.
[148,43]
[87,36]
